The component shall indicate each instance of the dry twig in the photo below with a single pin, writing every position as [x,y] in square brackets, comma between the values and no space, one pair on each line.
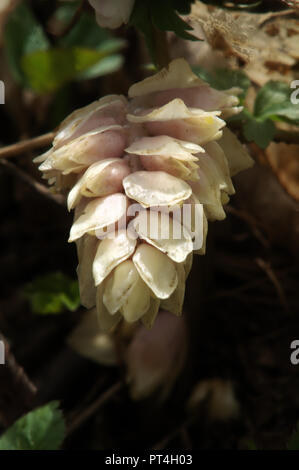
[40,188]
[27,145]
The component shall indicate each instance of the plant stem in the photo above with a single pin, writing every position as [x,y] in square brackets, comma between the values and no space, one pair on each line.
[28,179]
[162,55]
[27,145]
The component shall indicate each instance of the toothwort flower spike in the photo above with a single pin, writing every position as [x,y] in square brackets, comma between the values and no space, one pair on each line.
[145,174]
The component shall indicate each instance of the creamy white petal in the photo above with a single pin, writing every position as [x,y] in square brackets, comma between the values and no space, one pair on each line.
[178,74]
[185,170]
[215,152]
[104,142]
[86,249]
[156,269]
[224,198]
[154,188]
[237,157]
[165,233]
[175,119]
[192,217]
[179,80]
[99,214]
[119,285]
[176,109]
[188,265]
[43,157]
[208,192]
[110,253]
[150,316]
[71,126]
[137,303]
[100,179]
[174,304]
[163,145]
[107,321]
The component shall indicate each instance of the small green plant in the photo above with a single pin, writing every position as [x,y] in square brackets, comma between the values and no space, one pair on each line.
[41,429]
[52,294]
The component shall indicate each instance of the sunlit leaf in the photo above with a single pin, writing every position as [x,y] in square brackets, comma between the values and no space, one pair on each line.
[47,71]
[274,99]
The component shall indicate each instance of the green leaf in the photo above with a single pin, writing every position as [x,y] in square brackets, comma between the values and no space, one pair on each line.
[251,445]
[259,131]
[64,14]
[183,6]
[85,33]
[223,79]
[165,17]
[52,294]
[47,71]
[41,429]
[23,35]
[150,14]
[105,66]
[274,99]
[140,19]
[293,443]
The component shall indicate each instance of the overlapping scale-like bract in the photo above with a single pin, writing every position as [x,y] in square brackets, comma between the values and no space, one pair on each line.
[132,167]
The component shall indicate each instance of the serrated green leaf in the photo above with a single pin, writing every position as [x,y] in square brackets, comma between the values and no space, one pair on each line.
[148,15]
[293,443]
[41,429]
[223,79]
[259,131]
[165,17]
[274,99]
[47,71]
[52,294]
[23,35]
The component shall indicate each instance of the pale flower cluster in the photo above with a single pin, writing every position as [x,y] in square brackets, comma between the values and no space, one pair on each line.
[165,146]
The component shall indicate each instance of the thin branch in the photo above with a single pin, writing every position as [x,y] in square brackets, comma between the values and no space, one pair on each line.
[27,145]
[17,392]
[173,434]
[40,188]
[162,55]
[94,407]
[290,137]
[251,221]
[275,281]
